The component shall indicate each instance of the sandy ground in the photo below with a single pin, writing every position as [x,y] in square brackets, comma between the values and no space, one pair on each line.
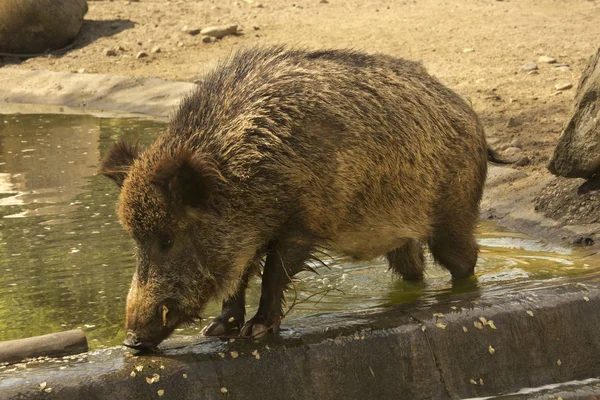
[476,47]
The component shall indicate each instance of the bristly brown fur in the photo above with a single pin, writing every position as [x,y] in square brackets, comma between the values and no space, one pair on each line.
[118,161]
[364,155]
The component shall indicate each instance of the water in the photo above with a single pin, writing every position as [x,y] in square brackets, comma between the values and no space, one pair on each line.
[66,263]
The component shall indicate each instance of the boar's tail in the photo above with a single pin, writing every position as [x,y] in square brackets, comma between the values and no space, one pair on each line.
[494,157]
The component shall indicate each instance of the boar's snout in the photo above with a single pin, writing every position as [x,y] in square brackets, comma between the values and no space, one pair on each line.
[136,343]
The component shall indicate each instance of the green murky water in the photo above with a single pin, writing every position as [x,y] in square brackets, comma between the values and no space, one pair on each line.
[66,263]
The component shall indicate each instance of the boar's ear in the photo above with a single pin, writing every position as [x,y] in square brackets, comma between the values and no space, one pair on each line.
[189,179]
[118,160]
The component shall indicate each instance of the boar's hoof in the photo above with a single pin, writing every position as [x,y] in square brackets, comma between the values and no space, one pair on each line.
[258,327]
[222,326]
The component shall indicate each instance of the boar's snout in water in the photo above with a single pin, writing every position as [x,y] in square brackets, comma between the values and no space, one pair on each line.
[280,152]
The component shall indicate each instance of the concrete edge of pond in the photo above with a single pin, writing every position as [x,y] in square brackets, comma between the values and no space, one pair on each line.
[465,346]
[150,96]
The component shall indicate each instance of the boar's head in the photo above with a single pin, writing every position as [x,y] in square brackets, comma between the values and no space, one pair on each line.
[168,203]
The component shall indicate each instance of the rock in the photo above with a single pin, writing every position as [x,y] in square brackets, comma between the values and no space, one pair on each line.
[219,31]
[516,143]
[33,27]
[513,154]
[577,153]
[546,59]
[81,71]
[468,50]
[191,30]
[563,86]
[207,39]
[511,123]
[529,67]
[155,50]
[562,67]
[523,161]
[141,54]
[110,52]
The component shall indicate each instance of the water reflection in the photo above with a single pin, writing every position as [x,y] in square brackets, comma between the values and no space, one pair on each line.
[65,262]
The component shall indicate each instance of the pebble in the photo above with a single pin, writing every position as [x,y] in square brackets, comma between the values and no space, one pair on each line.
[219,31]
[468,50]
[563,86]
[511,123]
[516,143]
[207,39]
[155,50]
[110,52]
[191,31]
[523,161]
[513,153]
[547,60]
[141,54]
[529,67]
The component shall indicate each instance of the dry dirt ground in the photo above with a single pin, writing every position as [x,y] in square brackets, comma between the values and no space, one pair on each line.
[476,47]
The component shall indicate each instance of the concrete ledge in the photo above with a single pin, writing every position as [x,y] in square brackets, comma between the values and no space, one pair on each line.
[398,352]
[150,96]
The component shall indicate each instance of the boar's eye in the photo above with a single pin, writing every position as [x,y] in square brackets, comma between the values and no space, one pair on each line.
[165,243]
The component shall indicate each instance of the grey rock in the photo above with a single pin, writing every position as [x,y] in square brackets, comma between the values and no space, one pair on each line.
[577,153]
[523,161]
[219,31]
[33,27]
[531,66]
[191,30]
[563,86]
[512,122]
[546,59]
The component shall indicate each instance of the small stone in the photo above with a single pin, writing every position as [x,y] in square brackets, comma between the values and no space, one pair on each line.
[491,349]
[191,30]
[563,86]
[468,50]
[219,31]
[184,376]
[558,362]
[547,60]
[81,71]
[155,50]
[224,390]
[512,122]
[179,44]
[160,392]
[110,52]
[516,143]
[523,161]
[530,313]
[529,67]
[585,298]
[234,354]
[119,48]
[513,153]
[141,54]
[207,39]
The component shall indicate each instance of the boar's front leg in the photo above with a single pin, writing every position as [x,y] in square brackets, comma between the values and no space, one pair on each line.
[282,263]
[233,311]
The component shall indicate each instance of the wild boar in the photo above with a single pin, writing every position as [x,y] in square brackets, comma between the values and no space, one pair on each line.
[279,152]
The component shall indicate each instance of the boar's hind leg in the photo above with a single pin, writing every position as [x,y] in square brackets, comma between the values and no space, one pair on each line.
[453,245]
[408,261]
[282,263]
[233,311]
